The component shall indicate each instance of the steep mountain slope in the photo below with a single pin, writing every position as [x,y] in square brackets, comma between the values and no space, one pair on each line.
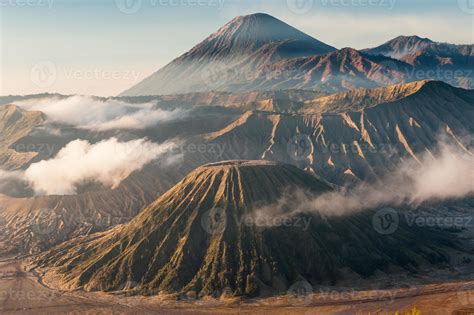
[345,69]
[355,135]
[361,99]
[31,225]
[344,138]
[251,42]
[259,53]
[450,63]
[403,47]
[194,238]
[16,123]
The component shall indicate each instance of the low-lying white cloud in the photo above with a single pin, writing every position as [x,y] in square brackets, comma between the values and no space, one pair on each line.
[95,114]
[108,162]
[444,174]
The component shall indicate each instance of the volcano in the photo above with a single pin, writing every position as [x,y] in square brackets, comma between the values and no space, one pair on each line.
[407,47]
[241,47]
[258,52]
[197,237]
[450,63]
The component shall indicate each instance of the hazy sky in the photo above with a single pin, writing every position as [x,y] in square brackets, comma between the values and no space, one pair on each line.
[103,47]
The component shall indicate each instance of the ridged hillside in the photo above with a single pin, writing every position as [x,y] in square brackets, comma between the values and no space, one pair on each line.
[193,239]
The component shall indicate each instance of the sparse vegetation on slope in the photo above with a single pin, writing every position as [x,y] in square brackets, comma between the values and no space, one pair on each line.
[194,238]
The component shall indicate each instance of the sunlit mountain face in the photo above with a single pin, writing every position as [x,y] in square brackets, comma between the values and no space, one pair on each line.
[261,169]
[260,52]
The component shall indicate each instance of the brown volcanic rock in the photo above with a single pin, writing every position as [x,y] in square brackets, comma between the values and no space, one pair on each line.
[344,69]
[403,47]
[16,123]
[192,239]
[366,133]
[431,60]
[345,137]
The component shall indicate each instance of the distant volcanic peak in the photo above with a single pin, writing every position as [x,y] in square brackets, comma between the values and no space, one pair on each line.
[410,48]
[348,54]
[401,47]
[242,46]
[348,51]
[245,34]
[410,39]
[263,28]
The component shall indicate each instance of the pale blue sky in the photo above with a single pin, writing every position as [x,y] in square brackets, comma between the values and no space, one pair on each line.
[93,47]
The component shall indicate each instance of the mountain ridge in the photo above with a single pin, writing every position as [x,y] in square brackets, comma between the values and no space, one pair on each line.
[194,239]
[402,47]
[230,45]
[260,52]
